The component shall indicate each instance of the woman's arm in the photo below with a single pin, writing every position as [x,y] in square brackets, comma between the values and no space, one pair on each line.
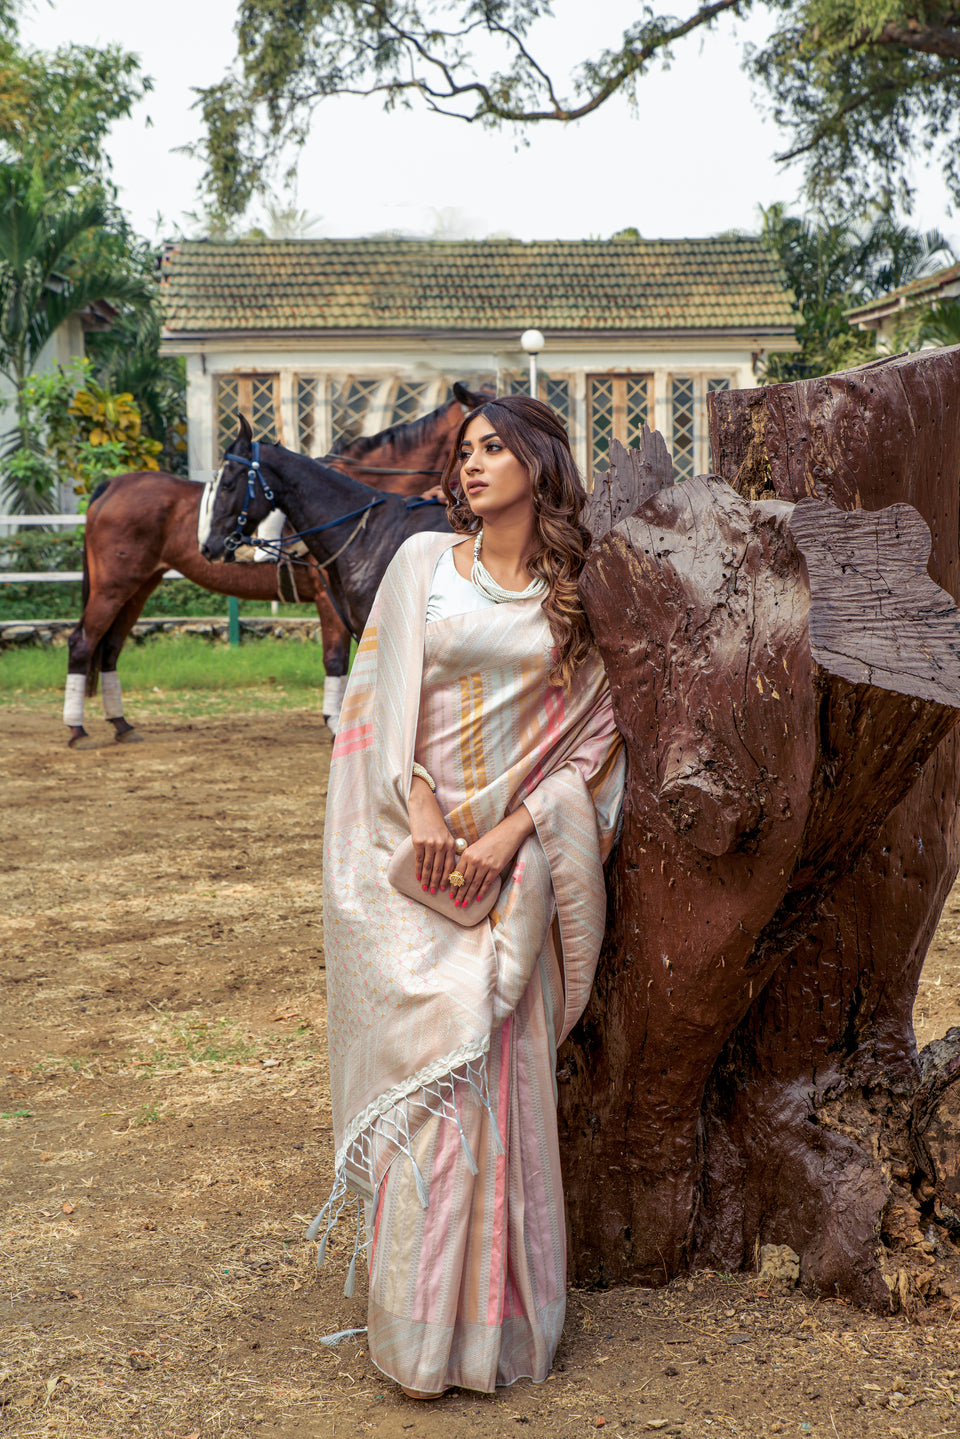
[482,862]
[433,844]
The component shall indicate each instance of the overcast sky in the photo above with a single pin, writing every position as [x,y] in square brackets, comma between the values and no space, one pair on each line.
[695,157]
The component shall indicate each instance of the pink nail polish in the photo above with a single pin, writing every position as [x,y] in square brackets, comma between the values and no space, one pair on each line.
[424,889]
[433,891]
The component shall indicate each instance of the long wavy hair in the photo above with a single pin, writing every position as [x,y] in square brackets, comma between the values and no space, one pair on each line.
[538,438]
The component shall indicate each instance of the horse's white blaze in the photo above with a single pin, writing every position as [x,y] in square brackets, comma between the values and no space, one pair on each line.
[207,501]
[270,529]
[110,692]
[74,693]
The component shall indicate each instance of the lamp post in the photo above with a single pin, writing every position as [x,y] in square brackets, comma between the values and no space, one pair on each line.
[532,342]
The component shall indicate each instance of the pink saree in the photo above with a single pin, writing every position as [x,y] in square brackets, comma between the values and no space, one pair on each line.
[443,1039]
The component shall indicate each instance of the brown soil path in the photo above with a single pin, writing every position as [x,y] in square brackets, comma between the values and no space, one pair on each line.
[165,1138]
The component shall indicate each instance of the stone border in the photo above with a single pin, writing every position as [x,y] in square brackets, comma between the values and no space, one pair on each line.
[56,632]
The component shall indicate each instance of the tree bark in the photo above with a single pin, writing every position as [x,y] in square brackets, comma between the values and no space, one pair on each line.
[785,676]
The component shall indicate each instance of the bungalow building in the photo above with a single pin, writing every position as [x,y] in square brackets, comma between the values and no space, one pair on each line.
[321,340]
[896,309]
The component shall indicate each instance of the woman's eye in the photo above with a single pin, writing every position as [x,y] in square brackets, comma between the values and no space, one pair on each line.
[464,454]
[493,447]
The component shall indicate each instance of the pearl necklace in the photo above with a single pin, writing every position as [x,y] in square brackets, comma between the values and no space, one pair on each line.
[488,586]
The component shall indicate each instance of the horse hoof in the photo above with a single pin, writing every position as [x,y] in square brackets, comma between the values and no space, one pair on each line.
[128,736]
[79,739]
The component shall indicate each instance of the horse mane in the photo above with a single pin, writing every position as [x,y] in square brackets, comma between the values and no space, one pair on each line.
[405,436]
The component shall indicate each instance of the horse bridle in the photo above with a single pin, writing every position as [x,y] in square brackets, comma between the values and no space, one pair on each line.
[239,537]
[254,477]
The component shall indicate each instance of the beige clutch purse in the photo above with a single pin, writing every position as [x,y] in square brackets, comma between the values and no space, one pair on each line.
[402,874]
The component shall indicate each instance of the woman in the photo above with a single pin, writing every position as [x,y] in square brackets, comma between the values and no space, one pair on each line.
[476,712]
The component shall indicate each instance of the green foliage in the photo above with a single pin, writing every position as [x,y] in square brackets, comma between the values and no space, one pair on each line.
[126,358]
[36,549]
[57,107]
[58,254]
[859,84]
[109,436]
[940,323]
[832,266]
[74,429]
[64,247]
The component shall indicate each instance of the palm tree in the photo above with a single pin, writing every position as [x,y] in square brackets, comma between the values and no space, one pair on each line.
[55,259]
[834,265]
[940,324]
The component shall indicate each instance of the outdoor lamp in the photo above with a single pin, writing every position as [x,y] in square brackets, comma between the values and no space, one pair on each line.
[532,342]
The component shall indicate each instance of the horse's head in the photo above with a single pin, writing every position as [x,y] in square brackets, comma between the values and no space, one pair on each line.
[236,500]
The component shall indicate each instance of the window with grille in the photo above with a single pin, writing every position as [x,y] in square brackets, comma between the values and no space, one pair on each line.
[718,382]
[682,404]
[255,396]
[409,401]
[307,394]
[350,399]
[554,390]
[618,408]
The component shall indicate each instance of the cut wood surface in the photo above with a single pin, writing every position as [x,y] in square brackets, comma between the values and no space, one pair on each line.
[786,678]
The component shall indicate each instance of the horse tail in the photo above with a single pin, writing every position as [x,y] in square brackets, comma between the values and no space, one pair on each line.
[95,662]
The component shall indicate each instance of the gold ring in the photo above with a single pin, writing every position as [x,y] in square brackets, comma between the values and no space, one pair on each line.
[457,879]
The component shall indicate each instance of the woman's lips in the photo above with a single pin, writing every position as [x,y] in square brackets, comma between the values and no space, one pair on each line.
[475,487]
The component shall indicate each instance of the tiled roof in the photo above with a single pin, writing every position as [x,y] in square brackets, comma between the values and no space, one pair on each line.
[919,291]
[383,285]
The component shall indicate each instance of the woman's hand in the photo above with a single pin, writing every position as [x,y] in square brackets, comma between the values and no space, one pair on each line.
[433,844]
[483,862]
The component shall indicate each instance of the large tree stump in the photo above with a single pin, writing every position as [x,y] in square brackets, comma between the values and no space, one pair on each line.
[785,677]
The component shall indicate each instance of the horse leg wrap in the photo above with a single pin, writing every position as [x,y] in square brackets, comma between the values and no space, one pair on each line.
[110,689]
[74,694]
[333,686]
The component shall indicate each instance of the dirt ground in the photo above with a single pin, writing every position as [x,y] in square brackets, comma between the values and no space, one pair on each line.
[166,1137]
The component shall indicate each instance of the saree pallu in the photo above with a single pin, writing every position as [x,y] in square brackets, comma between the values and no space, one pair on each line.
[443,1039]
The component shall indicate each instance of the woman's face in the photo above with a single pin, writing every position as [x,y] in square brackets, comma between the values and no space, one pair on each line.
[493,479]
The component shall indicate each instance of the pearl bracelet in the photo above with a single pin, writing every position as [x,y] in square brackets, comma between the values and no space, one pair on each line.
[421,773]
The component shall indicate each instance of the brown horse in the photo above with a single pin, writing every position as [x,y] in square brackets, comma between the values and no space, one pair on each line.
[140,525]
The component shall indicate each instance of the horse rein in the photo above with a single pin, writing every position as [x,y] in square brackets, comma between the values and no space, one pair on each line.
[276,548]
[255,475]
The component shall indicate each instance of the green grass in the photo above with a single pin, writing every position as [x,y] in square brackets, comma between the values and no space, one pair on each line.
[147,1114]
[192,1040]
[171,663]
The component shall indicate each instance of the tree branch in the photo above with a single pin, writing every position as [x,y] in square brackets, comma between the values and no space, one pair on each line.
[491,108]
[927,39]
[858,101]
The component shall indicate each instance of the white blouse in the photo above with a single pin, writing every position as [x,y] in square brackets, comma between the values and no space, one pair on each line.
[451,594]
